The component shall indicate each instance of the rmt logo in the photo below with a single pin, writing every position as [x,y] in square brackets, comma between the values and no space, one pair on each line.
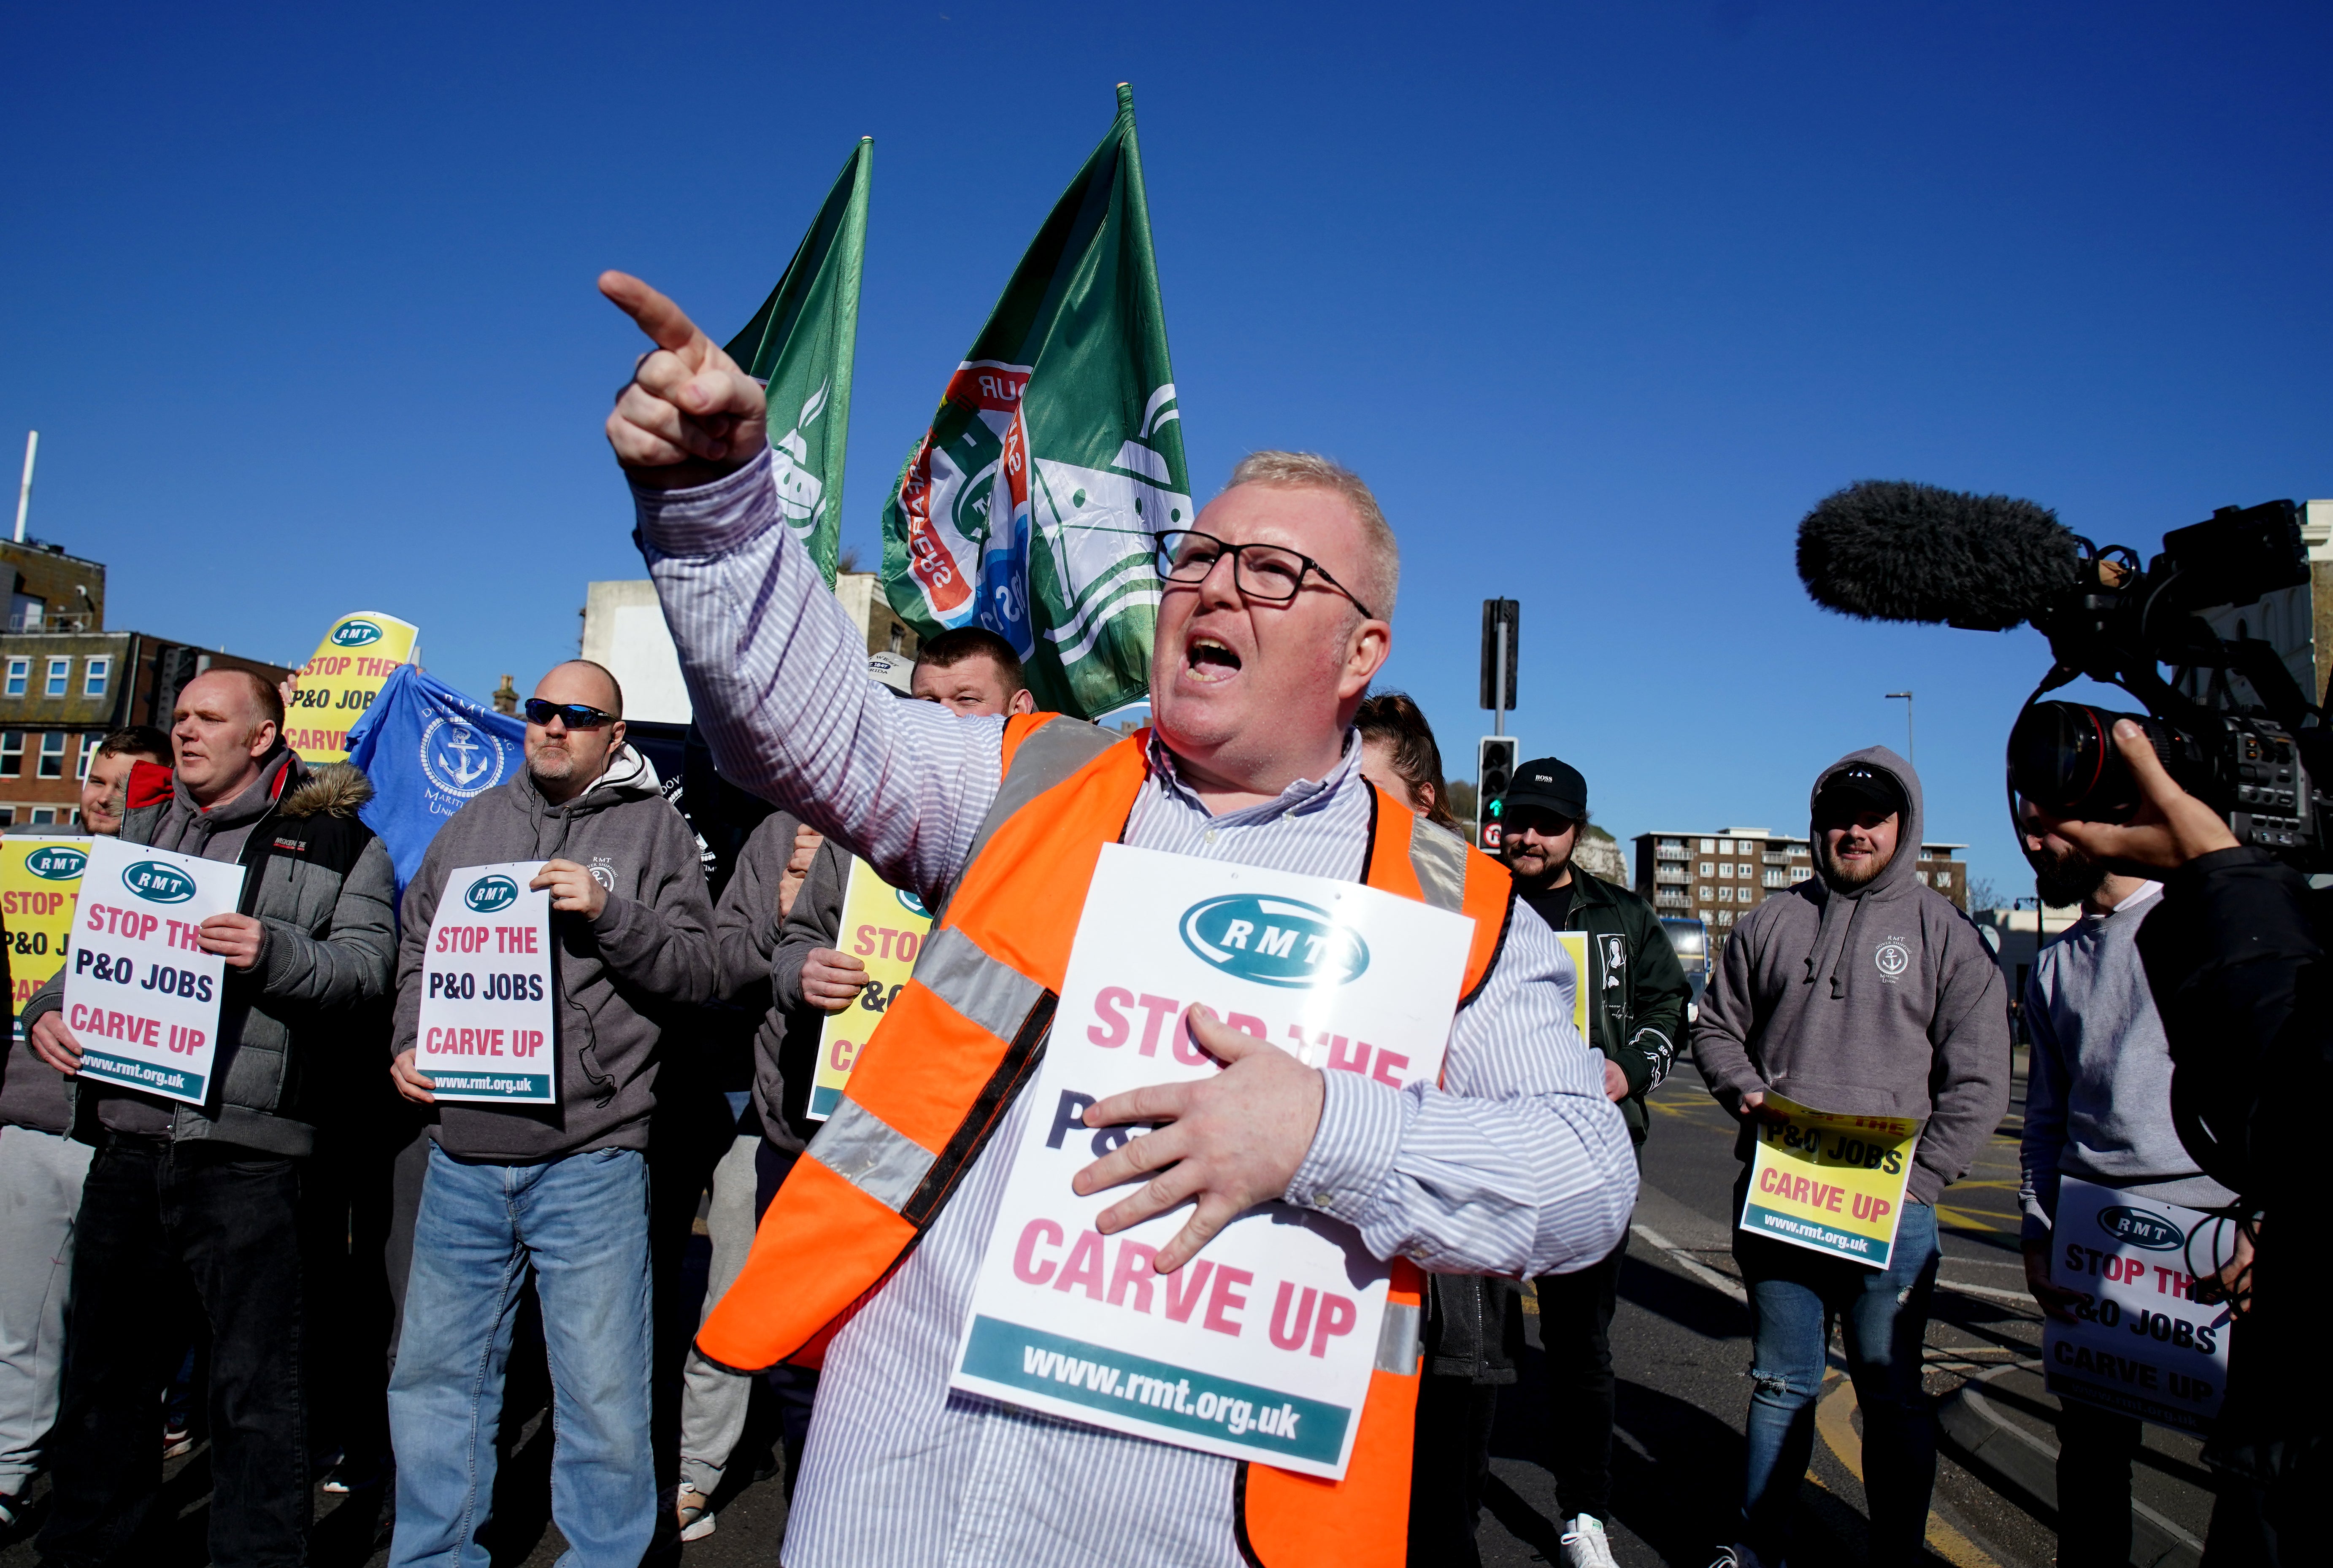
[157,882]
[355,633]
[491,894]
[1275,941]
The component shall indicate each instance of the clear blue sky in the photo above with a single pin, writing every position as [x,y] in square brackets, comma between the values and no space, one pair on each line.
[1599,298]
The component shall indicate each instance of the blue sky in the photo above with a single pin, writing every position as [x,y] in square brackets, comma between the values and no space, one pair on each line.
[1600,299]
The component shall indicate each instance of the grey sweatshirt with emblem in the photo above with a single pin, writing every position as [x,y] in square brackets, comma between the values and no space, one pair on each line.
[619,978]
[1881,1000]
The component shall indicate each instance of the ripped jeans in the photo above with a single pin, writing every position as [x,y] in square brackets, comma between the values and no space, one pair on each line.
[1794,1295]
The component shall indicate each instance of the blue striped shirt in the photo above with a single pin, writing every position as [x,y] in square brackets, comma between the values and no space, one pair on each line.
[1515,1164]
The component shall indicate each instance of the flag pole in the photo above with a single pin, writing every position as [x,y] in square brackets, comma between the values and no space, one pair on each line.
[25,491]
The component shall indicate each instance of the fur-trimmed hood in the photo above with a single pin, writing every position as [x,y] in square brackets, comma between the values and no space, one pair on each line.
[333,790]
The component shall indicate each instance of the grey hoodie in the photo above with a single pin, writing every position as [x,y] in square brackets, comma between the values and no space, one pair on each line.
[2098,1099]
[619,978]
[1882,1000]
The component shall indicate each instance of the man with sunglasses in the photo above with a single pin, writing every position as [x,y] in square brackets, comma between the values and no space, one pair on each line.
[1272,616]
[560,1189]
[1637,993]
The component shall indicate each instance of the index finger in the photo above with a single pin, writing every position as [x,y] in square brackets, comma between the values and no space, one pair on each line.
[1151,1102]
[666,323]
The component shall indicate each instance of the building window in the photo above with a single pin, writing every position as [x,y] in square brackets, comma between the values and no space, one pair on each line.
[1709,846]
[1799,874]
[1707,869]
[20,671]
[53,753]
[100,675]
[43,815]
[89,745]
[60,676]
[12,753]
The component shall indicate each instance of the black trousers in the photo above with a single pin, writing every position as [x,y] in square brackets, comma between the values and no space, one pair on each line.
[1450,1455]
[167,1231]
[1575,1330]
[2094,1451]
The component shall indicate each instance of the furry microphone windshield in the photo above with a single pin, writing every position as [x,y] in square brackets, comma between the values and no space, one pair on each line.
[1888,550]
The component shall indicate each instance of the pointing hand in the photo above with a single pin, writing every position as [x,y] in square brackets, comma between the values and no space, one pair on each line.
[689,415]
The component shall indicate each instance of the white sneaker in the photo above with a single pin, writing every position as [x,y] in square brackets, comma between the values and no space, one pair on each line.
[1736,1557]
[1584,1545]
[693,1512]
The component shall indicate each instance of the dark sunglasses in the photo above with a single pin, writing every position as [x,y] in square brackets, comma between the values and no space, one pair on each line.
[574,715]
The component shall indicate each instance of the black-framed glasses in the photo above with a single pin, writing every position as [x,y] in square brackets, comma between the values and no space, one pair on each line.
[1265,572]
[574,715]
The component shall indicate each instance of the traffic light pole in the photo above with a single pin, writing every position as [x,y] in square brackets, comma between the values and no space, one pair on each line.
[1499,713]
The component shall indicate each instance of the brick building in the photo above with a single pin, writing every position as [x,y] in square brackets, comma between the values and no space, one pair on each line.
[66,682]
[1717,877]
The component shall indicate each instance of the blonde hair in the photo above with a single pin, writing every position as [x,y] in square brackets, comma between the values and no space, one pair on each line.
[1311,471]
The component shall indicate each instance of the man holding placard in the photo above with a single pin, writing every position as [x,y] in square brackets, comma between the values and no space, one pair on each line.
[1509,1159]
[206,1060]
[558,922]
[2097,1113]
[1637,992]
[1857,1026]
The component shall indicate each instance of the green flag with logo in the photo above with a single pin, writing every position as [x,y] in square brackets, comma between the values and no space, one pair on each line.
[799,346]
[1028,507]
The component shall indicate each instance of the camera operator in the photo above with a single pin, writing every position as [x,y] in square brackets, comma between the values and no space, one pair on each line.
[2241,978]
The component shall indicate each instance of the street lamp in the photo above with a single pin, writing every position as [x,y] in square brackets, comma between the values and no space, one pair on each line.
[1911,745]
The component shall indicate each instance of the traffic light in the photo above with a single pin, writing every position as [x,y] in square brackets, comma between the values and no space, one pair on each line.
[1494,770]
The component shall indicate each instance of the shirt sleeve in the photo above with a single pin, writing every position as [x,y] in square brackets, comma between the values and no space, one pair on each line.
[777,674]
[1516,1165]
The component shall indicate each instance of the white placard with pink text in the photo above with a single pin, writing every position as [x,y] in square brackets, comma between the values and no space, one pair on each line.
[141,996]
[487,1006]
[1260,1348]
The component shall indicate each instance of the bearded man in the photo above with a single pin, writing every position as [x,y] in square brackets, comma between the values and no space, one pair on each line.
[1865,992]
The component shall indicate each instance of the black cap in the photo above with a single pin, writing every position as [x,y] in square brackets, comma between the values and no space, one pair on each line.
[1857,787]
[1551,785]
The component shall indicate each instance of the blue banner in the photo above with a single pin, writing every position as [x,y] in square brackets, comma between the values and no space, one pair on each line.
[428,750]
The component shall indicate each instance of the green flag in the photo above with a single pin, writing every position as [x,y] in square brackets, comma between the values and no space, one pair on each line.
[1029,506]
[799,346]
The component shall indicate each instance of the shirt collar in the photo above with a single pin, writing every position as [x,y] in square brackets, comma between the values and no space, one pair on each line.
[1301,797]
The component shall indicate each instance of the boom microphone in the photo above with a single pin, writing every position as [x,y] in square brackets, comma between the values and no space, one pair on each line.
[1887,550]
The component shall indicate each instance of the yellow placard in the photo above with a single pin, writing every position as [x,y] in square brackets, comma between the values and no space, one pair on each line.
[884,929]
[1831,1183]
[40,882]
[336,685]
[1575,942]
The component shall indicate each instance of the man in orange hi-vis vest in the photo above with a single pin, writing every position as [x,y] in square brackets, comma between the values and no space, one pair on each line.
[1273,609]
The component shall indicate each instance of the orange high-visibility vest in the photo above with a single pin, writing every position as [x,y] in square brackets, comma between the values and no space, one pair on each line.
[965,1034]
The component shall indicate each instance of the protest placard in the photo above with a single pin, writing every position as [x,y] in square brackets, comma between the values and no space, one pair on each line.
[340,680]
[39,880]
[141,996]
[1831,1183]
[1262,1347]
[2142,1344]
[884,929]
[1575,942]
[487,1004]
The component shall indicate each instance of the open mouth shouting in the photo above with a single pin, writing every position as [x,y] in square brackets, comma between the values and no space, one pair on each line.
[1207,660]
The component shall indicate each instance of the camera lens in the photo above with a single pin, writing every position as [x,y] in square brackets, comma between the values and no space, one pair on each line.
[2063,758]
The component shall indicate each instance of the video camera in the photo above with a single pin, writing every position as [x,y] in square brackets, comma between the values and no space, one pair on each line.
[2251,745]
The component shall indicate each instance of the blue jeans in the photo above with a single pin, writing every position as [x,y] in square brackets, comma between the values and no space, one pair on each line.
[1794,1295]
[581,1223]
